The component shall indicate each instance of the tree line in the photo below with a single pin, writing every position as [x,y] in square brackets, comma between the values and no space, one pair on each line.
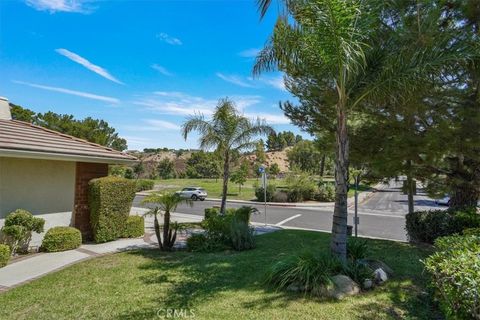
[93,130]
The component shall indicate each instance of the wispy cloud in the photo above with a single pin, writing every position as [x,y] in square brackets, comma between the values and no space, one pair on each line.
[71,92]
[237,80]
[78,6]
[269,118]
[249,53]
[276,82]
[87,64]
[161,69]
[179,103]
[169,39]
[156,124]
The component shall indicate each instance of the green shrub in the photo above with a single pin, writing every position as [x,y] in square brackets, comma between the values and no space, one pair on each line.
[358,272]
[308,271]
[241,235]
[471,232]
[18,229]
[325,193]
[426,226]
[110,200]
[455,275]
[61,239]
[260,194]
[199,242]
[280,196]
[300,186]
[357,248]
[135,227]
[144,184]
[4,255]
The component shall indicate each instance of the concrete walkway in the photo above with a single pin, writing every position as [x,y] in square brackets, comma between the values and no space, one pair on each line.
[25,269]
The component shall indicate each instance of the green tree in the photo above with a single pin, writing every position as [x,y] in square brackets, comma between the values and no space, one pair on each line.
[165,204]
[260,152]
[306,157]
[240,175]
[338,47]
[228,132]
[166,169]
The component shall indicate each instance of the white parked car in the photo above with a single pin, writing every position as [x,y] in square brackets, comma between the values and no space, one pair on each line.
[194,193]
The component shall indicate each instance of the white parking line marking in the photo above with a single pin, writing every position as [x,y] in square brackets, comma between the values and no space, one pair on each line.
[288,219]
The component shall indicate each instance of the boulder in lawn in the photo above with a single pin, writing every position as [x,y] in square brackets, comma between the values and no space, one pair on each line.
[380,276]
[342,286]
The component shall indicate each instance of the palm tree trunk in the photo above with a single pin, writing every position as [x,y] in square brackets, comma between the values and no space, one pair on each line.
[338,243]
[156,226]
[226,174]
[166,229]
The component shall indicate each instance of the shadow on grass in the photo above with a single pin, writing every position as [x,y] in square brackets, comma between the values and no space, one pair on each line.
[188,280]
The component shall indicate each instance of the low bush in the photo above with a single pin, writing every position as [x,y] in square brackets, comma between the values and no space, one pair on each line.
[325,193]
[18,229]
[144,184]
[61,239]
[241,235]
[230,229]
[455,275]
[358,272]
[260,194]
[300,186]
[471,232]
[110,200]
[280,196]
[307,271]
[135,227]
[426,226]
[4,255]
[199,242]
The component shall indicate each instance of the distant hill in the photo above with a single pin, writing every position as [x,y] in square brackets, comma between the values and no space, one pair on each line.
[278,157]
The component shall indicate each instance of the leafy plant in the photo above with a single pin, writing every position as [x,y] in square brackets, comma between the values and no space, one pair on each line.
[18,229]
[134,228]
[325,192]
[309,271]
[300,187]
[61,239]
[241,235]
[357,249]
[455,275]
[358,272]
[260,193]
[110,200]
[165,203]
[144,184]
[4,255]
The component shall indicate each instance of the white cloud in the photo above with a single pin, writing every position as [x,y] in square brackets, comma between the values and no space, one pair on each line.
[161,69]
[237,80]
[182,104]
[276,82]
[87,64]
[78,6]
[159,125]
[249,53]
[71,92]
[169,39]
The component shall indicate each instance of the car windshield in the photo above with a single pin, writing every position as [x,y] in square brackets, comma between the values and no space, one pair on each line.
[201,189]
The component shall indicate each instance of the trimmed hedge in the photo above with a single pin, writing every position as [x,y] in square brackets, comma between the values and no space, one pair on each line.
[144,184]
[110,200]
[18,229]
[61,239]
[426,226]
[135,227]
[455,276]
[4,255]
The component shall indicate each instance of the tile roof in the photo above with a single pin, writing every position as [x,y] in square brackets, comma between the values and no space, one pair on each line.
[19,136]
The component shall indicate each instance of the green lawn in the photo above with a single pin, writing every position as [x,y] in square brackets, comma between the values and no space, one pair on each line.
[214,187]
[226,285]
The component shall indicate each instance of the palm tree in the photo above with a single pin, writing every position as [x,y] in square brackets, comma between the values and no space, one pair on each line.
[165,203]
[332,42]
[228,132]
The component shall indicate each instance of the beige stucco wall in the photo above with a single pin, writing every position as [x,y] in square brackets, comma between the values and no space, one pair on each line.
[43,187]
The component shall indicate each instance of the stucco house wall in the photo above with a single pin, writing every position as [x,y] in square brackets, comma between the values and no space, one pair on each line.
[46,188]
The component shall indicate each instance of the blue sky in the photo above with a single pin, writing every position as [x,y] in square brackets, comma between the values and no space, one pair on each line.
[143,66]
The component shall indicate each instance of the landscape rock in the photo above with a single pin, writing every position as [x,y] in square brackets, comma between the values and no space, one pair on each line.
[342,286]
[375,264]
[367,284]
[380,276]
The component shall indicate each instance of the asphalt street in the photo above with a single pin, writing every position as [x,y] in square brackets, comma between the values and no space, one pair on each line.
[382,215]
